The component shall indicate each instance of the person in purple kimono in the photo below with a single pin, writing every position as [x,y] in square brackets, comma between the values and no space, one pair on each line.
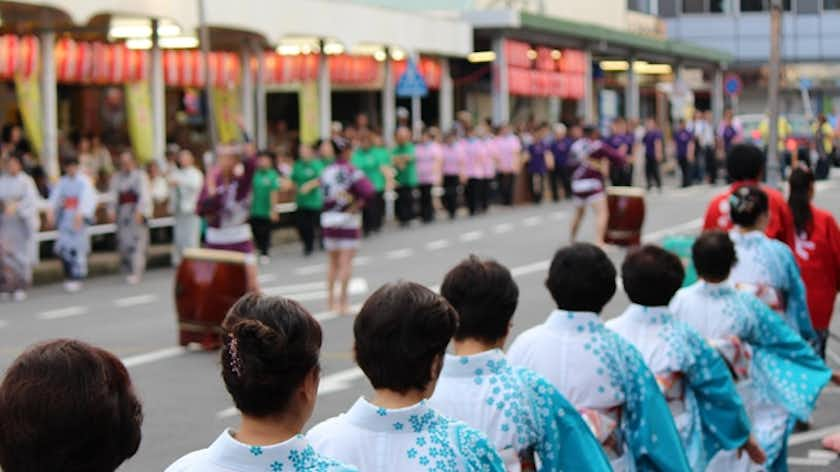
[346,190]
[684,143]
[654,155]
[225,202]
[594,160]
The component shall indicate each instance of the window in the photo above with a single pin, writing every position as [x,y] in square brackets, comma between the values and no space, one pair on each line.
[831,4]
[761,5]
[706,6]
[808,7]
[668,8]
[643,6]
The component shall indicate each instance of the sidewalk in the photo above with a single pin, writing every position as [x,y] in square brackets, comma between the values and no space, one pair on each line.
[107,263]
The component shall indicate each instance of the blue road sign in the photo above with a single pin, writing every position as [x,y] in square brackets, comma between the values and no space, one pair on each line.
[411,83]
[732,84]
[805,83]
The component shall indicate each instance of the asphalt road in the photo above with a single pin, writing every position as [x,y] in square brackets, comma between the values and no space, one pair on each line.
[185,403]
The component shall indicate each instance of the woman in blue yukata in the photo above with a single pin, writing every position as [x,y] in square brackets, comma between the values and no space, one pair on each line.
[520,411]
[766,267]
[600,373]
[270,368]
[401,335]
[762,351]
[695,380]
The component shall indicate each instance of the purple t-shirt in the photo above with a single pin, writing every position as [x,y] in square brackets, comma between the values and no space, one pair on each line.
[649,140]
[682,138]
[560,150]
[728,135]
[536,163]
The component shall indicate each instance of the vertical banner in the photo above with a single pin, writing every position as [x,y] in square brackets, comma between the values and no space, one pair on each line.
[138,107]
[226,109]
[308,106]
[28,91]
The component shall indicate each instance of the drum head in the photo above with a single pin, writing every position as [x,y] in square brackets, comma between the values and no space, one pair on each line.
[626,191]
[215,255]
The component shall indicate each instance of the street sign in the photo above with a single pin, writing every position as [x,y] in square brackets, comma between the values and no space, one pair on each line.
[411,83]
[732,85]
[805,84]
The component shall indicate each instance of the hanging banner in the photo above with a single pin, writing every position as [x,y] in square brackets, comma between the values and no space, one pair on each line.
[226,109]
[138,107]
[28,91]
[308,106]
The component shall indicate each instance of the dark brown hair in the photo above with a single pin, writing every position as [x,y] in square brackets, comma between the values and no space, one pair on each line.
[400,331]
[651,275]
[66,405]
[270,345]
[801,181]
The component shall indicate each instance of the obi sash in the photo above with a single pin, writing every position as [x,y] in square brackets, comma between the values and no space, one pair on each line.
[736,354]
[129,196]
[71,203]
[604,425]
[771,296]
[672,385]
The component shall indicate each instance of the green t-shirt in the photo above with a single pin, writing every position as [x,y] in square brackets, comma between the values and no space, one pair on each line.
[303,172]
[407,176]
[266,181]
[370,161]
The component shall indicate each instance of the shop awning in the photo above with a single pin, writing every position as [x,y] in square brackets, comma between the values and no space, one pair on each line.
[602,40]
[348,23]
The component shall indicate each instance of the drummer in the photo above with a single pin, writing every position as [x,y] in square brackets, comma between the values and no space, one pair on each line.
[225,203]
[594,158]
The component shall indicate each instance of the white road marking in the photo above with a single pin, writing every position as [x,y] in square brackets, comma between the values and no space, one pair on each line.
[503,228]
[135,300]
[154,356]
[659,234]
[808,436]
[361,261]
[312,269]
[63,312]
[559,215]
[331,315]
[471,236]
[532,221]
[399,253]
[315,290]
[437,245]
[540,266]
[337,382]
[3,324]
[833,356]
[807,461]
[822,454]
[266,278]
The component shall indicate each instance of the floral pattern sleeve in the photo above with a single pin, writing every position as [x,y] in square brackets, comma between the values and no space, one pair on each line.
[566,442]
[477,453]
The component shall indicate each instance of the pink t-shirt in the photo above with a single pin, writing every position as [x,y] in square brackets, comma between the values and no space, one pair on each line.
[491,153]
[474,156]
[428,157]
[453,158]
[507,153]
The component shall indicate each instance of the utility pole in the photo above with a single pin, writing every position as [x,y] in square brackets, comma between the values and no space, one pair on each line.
[774,168]
[208,86]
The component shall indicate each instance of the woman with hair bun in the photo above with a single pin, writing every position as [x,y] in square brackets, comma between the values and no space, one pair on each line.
[270,368]
[766,267]
[66,405]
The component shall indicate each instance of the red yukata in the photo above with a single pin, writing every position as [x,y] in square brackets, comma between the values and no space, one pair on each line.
[780,226]
[818,256]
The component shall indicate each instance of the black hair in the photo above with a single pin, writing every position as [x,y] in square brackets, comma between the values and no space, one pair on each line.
[799,200]
[714,255]
[745,162]
[651,275]
[581,278]
[401,331]
[66,405]
[747,204]
[267,153]
[270,345]
[485,296]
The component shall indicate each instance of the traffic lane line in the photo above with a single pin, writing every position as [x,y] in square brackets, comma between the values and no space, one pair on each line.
[61,313]
[154,356]
[143,299]
[471,236]
[399,253]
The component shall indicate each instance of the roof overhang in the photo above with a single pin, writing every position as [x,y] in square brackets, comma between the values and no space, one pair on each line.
[603,41]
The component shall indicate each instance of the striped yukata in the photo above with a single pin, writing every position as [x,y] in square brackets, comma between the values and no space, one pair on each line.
[343,185]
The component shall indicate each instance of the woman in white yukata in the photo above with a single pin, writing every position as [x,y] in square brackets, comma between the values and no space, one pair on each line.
[766,267]
[519,410]
[401,335]
[695,380]
[72,207]
[18,225]
[762,351]
[602,375]
[131,208]
[270,368]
